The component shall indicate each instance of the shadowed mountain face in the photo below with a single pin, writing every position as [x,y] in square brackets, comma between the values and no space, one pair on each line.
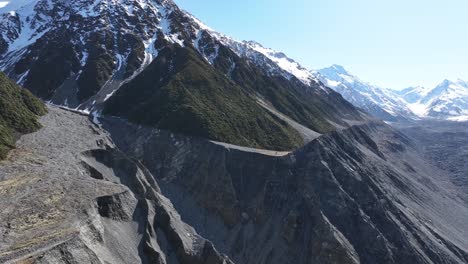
[361,195]
[127,57]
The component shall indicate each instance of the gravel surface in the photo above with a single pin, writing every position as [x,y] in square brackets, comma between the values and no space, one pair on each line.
[445,144]
[43,188]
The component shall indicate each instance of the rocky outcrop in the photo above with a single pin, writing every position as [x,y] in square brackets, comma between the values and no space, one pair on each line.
[77,199]
[445,145]
[361,195]
[154,64]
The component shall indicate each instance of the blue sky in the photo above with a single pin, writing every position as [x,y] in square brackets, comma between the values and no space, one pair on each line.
[394,44]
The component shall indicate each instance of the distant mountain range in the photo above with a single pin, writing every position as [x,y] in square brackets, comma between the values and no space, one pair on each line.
[380,102]
[448,100]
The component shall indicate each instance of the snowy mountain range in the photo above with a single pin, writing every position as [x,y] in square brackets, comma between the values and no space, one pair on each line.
[145,60]
[391,105]
[110,29]
[377,101]
[448,100]
[111,42]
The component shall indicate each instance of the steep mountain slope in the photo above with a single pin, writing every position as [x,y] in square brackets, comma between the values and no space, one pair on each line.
[77,199]
[102,38]
[111,43]
[182,93]
[18,113]
[445,144]
[380,102]
[275,62]
[448,100]
[361,195]
[413,94]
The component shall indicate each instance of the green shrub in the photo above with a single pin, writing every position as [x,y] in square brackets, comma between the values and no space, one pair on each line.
[18,113]
[182,93]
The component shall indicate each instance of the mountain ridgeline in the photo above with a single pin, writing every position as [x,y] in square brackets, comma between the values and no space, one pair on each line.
[19,111]
[182,93]
[379,102]
[175,144]
[156,65]
[446,101]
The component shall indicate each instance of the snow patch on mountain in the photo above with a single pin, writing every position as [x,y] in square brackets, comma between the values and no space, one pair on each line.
[8,6]
[419,109]
[463,118]
[20,25]
[283,61]
[274,62]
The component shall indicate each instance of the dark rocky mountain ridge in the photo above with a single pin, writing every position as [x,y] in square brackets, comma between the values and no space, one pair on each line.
[112,47]
[368,178]
[358,195]
[131,174]
[76,199]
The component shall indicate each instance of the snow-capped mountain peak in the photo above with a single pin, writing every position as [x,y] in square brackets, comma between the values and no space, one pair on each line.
[283,61]
[116,36]
[275,62]
[448,99]
[335,69]
[378,101]
[412,94]
[337,73]
[110,42]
